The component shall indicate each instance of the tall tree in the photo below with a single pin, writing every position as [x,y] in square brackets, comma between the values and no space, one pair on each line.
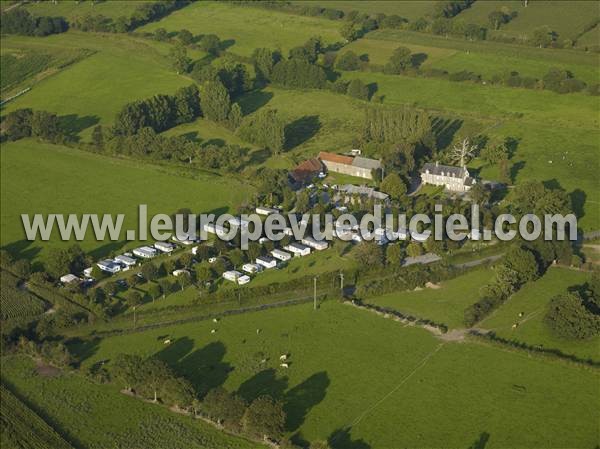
[215,101]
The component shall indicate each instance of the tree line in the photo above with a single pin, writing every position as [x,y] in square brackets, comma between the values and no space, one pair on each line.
[20,21]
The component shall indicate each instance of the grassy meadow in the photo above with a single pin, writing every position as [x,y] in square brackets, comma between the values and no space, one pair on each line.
[335,350]
[532,301]
[94,416]
[88,183]
[445,304]
[244,29]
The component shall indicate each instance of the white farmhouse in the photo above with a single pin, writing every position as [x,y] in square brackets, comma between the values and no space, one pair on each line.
[455,179]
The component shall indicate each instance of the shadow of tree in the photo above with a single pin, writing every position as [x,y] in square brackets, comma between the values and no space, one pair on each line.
[21,249]
[444,130]
[254,100]
[301,130]
[417,59]
[107,249]
[74,124]
[205,368]
[265,382]
[578,198]
[176,351]
[515,169]
[481,442]
[303,397]
[83,349]
[341,439]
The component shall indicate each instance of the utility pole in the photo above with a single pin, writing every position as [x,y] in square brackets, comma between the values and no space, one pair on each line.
[315,293]
[342,282]
[134,317]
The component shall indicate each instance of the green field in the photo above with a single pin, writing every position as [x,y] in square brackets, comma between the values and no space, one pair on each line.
[71,9]
[399,377]
[409,9]
[532,300]
[443,305]
[244,29]
[567,17]
[92,91]
[93,416]
[87,183]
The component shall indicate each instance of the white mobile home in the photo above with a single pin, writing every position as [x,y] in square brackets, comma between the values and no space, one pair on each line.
[243,280]
[298,249]
[319,245]
[165,247]
[266,261]
[184,239]
[126,261]
[251,268]
[68,278]
[180,272]
[232,275]
[238,222]
[281,255]
[109,265]
[261,210]
[88,272]
[214,229]
[145,252]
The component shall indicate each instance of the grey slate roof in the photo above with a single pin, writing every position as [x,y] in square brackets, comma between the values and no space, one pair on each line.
[444,170]
[363,162]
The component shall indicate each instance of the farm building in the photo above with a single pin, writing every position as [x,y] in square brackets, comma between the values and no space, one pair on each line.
[319,245]
[359,166]
[145,252]
[266,261]
[455,179]
[165,247]
[306,171]
[243,279]
[251,268]
[232,275]
[262,210]
[126,261]
[68,278]
[347,192]
[297,249]
[281,255]
[109,265]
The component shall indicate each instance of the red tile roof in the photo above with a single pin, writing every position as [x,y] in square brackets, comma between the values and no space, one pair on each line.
[332,157]
[306,170]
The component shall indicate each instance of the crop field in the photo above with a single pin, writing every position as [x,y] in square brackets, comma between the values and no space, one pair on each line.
[16,303]
[88,183]
[92,91]
[574,15]
[74,9]
[94,416]
[335,350]
[532,301]
[23,428]
[441,305]
[244,29]
[409,9]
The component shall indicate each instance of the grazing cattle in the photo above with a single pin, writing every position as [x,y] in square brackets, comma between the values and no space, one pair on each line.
[167,342]
[284,365]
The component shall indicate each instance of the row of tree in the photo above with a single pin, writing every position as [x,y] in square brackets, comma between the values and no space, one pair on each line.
[23,123]
[20,21]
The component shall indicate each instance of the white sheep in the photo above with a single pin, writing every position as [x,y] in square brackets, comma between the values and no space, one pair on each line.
[215,320]
[257,331]
[283,357]
[167,342]
[213,331]
[284,365]
[514,326]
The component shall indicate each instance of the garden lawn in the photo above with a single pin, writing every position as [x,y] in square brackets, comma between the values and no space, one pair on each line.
[83,182]
[532,301]
[244,29]
[443,305]
[356,376]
